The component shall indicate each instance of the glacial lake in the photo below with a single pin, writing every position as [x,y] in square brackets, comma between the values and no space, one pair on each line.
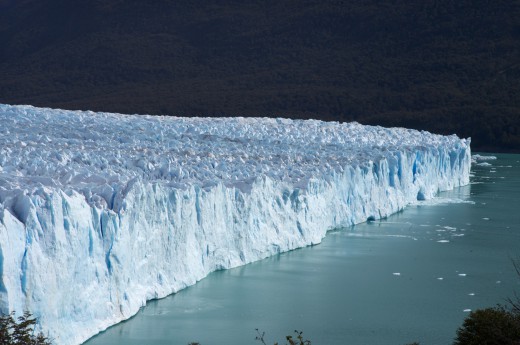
[410,277]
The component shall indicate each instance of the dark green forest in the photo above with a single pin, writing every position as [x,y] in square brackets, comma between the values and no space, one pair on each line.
[443,66]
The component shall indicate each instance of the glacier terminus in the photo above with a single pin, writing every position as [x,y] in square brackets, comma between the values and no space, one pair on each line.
[101,212]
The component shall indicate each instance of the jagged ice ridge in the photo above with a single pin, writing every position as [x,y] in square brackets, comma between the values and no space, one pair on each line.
[101,212]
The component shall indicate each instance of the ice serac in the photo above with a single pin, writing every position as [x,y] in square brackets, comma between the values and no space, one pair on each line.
[101,212]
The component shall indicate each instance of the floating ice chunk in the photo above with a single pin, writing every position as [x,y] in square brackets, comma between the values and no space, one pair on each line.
[442,201]
[401,236]
[478,158]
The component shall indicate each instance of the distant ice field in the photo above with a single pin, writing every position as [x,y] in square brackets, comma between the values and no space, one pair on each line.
[85,151]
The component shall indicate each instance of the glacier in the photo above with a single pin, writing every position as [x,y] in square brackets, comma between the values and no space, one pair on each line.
[101,212]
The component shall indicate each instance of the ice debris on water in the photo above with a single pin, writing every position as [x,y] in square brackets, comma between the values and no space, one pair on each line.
[482,161]
[101,212]
[484,164]
[481,158]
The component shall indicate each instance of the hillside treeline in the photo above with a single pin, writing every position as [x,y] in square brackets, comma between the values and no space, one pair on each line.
[443,66]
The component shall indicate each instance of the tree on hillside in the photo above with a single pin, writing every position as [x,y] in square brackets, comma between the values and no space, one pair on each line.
[20,331]
[499,325]
[490,326]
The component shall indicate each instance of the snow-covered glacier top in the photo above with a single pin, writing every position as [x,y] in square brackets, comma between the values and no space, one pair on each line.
[99,153]
[101,212]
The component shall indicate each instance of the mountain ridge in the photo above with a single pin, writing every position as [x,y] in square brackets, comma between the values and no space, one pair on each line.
[443,66]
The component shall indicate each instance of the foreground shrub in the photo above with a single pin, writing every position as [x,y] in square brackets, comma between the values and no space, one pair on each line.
[20,331]
[297,340]
[489,327]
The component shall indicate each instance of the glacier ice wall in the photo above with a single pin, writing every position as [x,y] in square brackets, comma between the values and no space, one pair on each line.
[101,212]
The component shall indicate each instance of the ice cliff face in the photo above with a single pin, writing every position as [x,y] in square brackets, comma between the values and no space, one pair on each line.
[101,212]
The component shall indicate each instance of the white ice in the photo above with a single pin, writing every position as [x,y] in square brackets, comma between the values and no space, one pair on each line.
[101,212]
[480,158]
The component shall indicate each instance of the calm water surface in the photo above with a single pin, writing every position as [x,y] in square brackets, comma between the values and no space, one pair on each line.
[411,277]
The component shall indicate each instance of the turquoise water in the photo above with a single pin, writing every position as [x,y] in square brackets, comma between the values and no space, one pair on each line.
[410,277]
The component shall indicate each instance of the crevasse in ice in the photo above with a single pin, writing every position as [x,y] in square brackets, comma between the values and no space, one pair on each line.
[101,212]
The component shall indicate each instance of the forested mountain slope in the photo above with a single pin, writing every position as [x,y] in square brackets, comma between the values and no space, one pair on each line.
[444,66]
